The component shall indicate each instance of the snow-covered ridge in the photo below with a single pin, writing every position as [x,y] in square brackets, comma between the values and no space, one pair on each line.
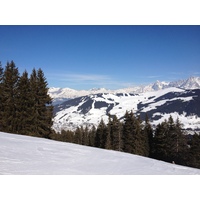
[159,105]
[25,155]
[61,94]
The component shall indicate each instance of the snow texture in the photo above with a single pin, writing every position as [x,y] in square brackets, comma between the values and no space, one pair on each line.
[37,156]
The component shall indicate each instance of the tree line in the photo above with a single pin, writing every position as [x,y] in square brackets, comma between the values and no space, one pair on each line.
[25,106]
[166,142]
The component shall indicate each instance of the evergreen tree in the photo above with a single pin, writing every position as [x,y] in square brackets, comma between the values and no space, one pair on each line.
[78,136]
[85,140]
[45,108]
[9,94]
[42,109]
[66,136]
[170,143]
[159,150]
[100,138]
[181,146]
[148,137]
[1,96]
[138,138]
[23,105]
[92,134]
[108,144]
[194,152]
[129,120]
[116,134]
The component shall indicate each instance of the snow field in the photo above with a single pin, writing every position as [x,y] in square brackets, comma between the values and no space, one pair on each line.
[24,155]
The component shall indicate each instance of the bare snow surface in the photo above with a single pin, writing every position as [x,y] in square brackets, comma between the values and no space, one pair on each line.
[30,155]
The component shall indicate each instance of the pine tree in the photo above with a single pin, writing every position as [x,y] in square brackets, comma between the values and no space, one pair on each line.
[92,135]
[1,96]
[147,137]
[194,152]
[85,140]
[108,144]
[159,150]
[66,136]
[138,138]
[100,138]
[9,94]
[181,146]
[42,109]
[23,105]
[116,134]
[45,107]
[78,136]
[129,120]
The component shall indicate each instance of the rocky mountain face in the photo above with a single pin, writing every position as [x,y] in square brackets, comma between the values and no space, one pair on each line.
[159,105]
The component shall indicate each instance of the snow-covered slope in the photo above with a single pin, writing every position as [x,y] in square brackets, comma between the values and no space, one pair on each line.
[159,105]
[61,94]
[29,155]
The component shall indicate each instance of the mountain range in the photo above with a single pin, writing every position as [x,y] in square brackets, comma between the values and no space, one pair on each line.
[60,95]
[159,105]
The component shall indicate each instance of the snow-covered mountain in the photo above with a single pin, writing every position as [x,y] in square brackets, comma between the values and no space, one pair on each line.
[61,94]
[26,155]
[159,105]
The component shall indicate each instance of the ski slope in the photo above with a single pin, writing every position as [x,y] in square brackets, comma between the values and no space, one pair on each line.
[25,155]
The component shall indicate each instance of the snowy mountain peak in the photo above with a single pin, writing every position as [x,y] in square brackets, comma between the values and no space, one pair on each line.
[61,94]
[191,83]
[159,85]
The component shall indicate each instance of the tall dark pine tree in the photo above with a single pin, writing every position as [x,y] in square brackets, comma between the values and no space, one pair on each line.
[180,146]
[159,150]
[138,138]
[78,136]
[1,95]
[116,134]
[92,134]
[24,105]
[34,104]
[42,109]
[100,137]
[108,144]
[85,140]
[45,107]
[148,137]
[9,94]
[129,120]
[194,152]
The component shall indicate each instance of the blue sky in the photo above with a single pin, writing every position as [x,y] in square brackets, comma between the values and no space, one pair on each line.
[85,57]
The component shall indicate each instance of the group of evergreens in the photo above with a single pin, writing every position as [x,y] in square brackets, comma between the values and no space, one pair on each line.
[167,141]
[25,106]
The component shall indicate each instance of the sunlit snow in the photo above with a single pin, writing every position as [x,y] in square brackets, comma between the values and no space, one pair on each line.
[30,155]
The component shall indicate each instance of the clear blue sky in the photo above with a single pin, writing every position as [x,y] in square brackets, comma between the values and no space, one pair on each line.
[85,57]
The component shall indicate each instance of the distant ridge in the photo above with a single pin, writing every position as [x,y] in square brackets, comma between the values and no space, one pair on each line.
[62,94]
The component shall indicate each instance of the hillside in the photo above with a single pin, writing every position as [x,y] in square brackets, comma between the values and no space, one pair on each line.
[159,105]
[30,155]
